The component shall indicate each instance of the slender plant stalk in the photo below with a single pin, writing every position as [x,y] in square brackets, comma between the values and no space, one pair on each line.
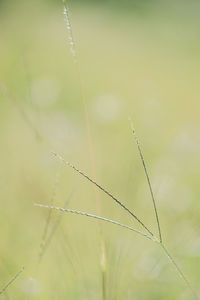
[97,186]
[153,239]
[105,191]
[180,272]
[11,281]
[54,228]
[89,137]
[156,214]
[74,259]
[83,96]
[96,217]
[103,265]
[148,179]
[46,227]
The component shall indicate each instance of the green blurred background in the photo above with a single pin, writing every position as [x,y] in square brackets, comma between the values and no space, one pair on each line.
[138,59]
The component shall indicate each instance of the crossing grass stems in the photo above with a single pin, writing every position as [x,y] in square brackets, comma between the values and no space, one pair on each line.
[149,235]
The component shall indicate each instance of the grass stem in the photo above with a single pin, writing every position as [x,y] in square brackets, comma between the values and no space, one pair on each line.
[11,281]
[105,191]
[148,179]
[98,218]
[180,272]
[87,122]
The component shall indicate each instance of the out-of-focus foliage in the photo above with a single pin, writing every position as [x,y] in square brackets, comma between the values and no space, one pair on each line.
[142,62]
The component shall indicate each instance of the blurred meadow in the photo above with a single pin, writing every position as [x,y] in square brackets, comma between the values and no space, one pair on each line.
[138,59]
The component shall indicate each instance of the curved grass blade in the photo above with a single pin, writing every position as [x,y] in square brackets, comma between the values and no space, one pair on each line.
[97,217]
[148,179]
[105,191]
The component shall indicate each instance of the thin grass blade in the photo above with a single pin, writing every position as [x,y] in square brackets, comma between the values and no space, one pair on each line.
[96,217]
[148,179]
[11,281]
[105,191]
